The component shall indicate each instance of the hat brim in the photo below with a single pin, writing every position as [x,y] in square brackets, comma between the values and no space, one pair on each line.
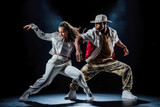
[94,21]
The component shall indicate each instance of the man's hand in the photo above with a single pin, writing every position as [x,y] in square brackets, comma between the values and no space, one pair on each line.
[27,27]
[126,52]
[79,56]
[78,50]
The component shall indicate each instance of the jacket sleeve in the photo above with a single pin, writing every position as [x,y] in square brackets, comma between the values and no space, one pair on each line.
[116,38]
[93,36]
[114,35]
[41,34]
[89,35]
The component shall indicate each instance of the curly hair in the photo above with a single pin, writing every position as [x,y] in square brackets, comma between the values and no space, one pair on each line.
[72,31]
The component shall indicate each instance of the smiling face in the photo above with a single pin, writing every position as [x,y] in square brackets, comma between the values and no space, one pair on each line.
[63,33]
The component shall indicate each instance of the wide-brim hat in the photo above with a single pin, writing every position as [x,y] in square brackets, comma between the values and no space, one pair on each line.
[100,19]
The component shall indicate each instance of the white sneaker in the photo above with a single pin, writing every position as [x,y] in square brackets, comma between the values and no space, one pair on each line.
[71,95]
[90,98]
[24,97]
[127,94]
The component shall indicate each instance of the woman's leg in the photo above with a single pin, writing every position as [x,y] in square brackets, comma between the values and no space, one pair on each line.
[79,77]
[88,73]
[50,73]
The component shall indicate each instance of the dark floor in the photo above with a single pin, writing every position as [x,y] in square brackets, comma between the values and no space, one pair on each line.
[100,100]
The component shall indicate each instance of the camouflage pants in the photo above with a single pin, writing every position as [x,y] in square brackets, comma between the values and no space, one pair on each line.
[111,66]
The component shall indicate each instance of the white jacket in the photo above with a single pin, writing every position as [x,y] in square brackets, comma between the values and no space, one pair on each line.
[94,37]
[58,44]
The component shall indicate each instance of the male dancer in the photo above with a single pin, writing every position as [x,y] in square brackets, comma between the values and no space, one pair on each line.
[99,56]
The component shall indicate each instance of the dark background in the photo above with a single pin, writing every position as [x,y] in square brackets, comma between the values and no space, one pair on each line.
[24,55]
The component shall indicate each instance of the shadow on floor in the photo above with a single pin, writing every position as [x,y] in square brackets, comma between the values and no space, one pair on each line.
[125,103]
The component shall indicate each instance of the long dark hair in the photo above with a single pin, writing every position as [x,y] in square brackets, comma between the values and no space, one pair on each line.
[72,31]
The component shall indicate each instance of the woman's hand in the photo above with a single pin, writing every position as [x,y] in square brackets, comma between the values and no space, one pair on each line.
[27,27]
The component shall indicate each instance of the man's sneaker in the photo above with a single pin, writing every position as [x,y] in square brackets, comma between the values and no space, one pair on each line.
[71,95]
[127,94]
[24,97]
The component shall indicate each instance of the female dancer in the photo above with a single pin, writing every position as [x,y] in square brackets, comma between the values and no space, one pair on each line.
[60,63]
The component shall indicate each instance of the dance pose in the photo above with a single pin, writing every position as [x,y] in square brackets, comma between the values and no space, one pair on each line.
[60,63]
[99,56]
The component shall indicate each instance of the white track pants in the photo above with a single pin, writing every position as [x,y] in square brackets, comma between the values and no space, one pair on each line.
[58,65]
